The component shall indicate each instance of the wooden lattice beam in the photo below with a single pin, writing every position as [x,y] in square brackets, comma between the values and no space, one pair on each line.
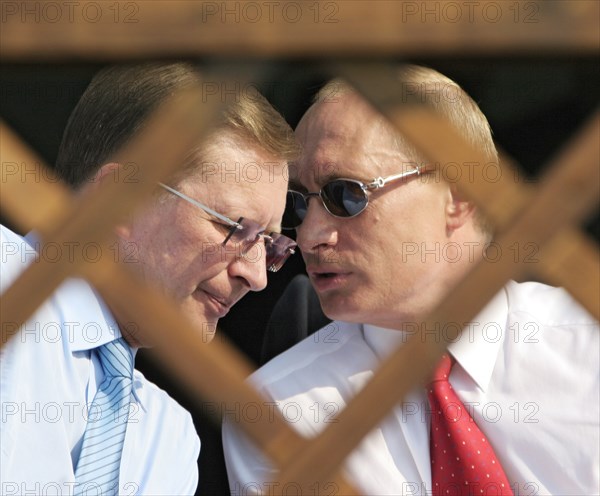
[37,30]
[40,30]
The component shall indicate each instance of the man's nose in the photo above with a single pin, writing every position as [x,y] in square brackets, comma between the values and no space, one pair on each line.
[251,267]
[318,227]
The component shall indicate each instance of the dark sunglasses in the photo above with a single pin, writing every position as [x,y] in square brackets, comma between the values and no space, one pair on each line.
[247,233]
[343,198]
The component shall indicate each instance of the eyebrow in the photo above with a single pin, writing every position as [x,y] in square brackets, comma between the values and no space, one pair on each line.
[320,179]
[327,178]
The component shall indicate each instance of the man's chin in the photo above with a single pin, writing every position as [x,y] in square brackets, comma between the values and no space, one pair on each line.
[209,330]
[334,309]
[350,308]
[205,327]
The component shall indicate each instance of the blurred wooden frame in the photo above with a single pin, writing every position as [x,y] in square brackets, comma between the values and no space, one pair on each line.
[567,193]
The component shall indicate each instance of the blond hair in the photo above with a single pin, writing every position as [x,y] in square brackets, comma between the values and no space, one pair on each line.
[118,102]
[427,86]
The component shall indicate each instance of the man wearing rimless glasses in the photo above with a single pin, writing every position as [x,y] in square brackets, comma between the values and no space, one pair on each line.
[383,241]
[205,239]
[246,234]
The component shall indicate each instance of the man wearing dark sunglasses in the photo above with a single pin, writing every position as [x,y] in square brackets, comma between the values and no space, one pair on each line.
[384,240]
[206,238]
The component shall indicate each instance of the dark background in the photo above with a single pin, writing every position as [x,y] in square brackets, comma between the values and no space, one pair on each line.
[534,107]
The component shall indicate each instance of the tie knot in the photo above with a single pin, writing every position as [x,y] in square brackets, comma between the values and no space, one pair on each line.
[442,371]
[116,358]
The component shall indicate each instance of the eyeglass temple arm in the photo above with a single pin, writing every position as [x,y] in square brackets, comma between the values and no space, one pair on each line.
[379,182]
[227,220]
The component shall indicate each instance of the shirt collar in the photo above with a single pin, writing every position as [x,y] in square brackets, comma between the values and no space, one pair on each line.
[89,322]
[476,349]
[384,341]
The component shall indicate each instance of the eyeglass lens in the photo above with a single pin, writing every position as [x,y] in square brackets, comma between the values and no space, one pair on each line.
[341,198]
[278,251]
[278,247]
[344,198]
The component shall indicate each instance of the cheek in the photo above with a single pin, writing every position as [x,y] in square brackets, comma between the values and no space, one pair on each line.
[175,250]
[209,256]
[198,249]
[418,216]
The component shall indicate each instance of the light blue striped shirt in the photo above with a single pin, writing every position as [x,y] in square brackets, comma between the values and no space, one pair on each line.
[48,377]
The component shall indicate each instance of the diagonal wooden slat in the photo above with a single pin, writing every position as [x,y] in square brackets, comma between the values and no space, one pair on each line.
[576,180]
[571,259]
[38,30]
[34,204]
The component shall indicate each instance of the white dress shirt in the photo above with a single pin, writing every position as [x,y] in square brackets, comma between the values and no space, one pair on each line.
[527,369]
[48,376]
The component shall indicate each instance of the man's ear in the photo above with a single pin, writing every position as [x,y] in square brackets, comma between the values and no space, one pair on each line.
[105,173]
[458,210]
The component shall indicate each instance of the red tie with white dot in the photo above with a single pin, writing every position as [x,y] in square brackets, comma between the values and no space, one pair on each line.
[462,461]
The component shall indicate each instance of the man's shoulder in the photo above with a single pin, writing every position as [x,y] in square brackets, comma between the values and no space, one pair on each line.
[335,351]
[158,403]
[547,305]
[546,323]
[16,255]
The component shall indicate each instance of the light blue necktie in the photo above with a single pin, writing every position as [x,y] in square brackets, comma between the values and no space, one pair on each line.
[97,469]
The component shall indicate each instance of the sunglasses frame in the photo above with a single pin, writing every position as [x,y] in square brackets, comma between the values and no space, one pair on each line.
[269,239]
[376,183]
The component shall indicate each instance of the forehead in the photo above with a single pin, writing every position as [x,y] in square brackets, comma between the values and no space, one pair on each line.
[230,159]
[238,178]
[345,138]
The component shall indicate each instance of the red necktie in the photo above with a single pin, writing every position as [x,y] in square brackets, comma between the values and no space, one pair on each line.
[462,460]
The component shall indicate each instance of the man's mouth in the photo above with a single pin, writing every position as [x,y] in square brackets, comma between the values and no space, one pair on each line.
[324,275]
[218,303]
[324,280]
